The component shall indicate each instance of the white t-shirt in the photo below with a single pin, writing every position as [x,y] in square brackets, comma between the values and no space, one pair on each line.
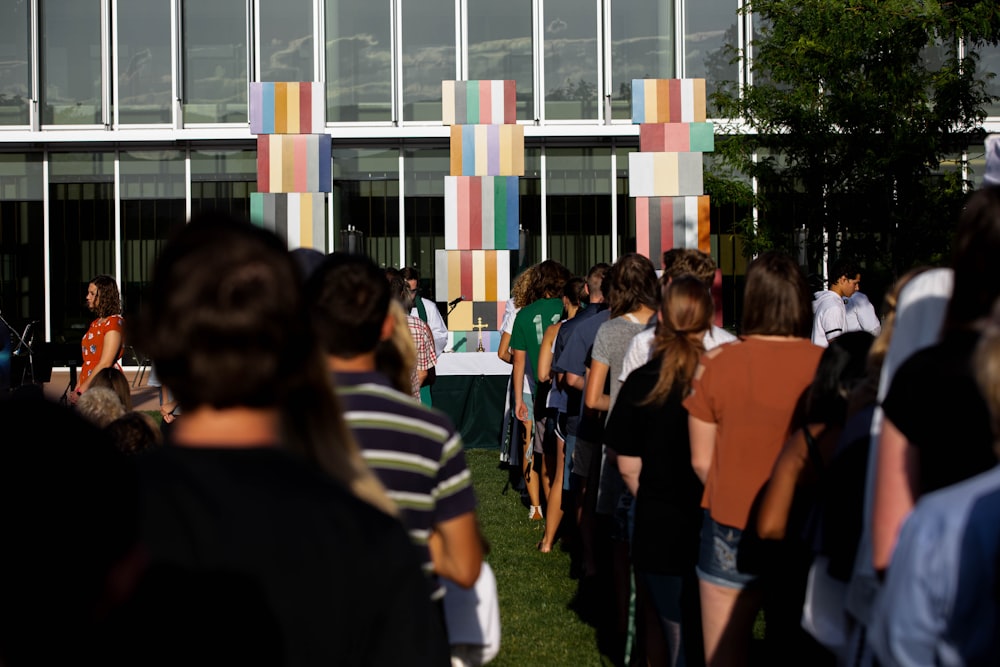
[861,314]
[829,317]
[640,350]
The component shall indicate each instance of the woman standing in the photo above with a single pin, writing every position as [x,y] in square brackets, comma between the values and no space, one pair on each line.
[103,343]
[648,428]
[742,404]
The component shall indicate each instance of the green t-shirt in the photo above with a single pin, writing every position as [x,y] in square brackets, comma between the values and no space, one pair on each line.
[529,327]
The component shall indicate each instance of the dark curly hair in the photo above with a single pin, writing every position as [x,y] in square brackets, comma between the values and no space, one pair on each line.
[108,300]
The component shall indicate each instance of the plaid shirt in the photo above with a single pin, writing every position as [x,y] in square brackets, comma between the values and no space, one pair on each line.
[424,342]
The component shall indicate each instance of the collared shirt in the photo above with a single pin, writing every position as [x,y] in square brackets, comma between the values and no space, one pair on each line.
[426,356]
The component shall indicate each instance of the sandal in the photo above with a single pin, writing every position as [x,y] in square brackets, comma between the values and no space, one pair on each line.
[535,513]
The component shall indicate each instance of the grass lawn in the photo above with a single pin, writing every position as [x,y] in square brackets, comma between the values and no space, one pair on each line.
[538,623]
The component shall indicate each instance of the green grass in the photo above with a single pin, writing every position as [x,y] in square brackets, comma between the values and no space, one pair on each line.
[538,625]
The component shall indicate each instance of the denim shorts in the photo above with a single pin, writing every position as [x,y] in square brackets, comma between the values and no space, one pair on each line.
[717,555]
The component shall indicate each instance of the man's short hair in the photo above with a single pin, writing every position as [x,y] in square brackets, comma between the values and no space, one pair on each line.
[595,278]
[348,299]
[845,266]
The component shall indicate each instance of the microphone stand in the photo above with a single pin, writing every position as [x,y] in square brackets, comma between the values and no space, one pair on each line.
[454,305]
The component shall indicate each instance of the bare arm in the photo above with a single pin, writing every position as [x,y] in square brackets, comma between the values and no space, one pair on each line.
[573,380]
[503,348]
[593,394]
[895,491]
[702,436]
[545,352]
[517,383]
[772,520]
[457,549]
[630,467]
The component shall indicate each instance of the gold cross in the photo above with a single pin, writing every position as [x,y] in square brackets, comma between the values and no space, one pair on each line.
[480,326]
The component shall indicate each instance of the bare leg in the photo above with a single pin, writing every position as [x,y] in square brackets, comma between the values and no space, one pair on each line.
[530,476]
[727,617]
[553,511]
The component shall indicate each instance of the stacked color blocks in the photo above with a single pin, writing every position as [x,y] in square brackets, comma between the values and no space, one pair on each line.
[293,161]
[482,203]
[665,175]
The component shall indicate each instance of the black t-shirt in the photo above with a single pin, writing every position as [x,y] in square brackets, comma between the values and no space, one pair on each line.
[341,579]
[934,401]
[668,511]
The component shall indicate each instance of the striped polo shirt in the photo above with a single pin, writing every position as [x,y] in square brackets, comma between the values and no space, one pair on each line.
[414,450]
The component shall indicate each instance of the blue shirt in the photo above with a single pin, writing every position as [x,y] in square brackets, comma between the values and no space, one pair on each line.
[939,603]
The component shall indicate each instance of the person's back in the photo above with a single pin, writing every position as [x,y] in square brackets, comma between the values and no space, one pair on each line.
[261,480]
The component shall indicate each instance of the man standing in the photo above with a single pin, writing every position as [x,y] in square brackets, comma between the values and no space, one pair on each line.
[414,450]
[829,312]
[426,310]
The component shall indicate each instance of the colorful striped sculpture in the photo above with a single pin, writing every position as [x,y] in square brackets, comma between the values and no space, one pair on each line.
[668,101]
[474,275]
[296,107]
[677,137]
[481,212]
[298,217]
[468,315]
[665,175]
[487,150]
[478,102]
[662,223]
[468,341]
[293,163]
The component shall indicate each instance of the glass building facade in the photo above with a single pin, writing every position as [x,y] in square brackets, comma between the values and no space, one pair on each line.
[121,118]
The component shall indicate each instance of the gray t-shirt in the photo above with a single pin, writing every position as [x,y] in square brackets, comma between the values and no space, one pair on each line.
[610,345]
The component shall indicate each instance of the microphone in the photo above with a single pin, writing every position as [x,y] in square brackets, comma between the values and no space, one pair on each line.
[456,301]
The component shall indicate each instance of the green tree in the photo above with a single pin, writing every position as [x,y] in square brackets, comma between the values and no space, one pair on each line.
[855,111]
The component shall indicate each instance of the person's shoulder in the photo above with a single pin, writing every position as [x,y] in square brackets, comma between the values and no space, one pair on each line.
[375,402]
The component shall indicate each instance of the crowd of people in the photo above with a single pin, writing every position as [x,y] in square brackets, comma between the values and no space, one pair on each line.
[703,482]
[831,472]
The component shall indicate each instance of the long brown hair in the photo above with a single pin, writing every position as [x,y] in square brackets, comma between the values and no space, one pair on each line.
[776,299]
[109,301]
[685,315]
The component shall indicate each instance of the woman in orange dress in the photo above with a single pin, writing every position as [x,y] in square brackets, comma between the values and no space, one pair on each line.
[104,341]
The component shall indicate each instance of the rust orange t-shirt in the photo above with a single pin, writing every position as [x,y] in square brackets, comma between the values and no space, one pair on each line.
[749,390]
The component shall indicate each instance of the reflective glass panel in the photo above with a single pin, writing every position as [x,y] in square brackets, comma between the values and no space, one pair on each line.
[989,61]
[642,47]
[22,248]
[578,201]
[286,40]
[358,61]
[71,62]
[82,232]
[424,169]
[222,179]
[500,47]
[215,61]
[570,36]
[152,203]
[366,202]
[15,62]
[710,27]
[144,78]
[428,39]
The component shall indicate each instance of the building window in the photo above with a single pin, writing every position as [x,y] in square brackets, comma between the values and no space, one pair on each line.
[428,51]
[366,202]
[152,203]
[22,248]
[423,206]
[709,29]
[500,47]
[569,31]
[144,76]
[15,54]
[286,41]
[358,61]
[82,233]
[222,180]
[578,206]
[989,61]
[642,47]
[72,62]
[215,61]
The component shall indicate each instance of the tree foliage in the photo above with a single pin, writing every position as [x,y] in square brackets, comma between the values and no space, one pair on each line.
[855,110]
